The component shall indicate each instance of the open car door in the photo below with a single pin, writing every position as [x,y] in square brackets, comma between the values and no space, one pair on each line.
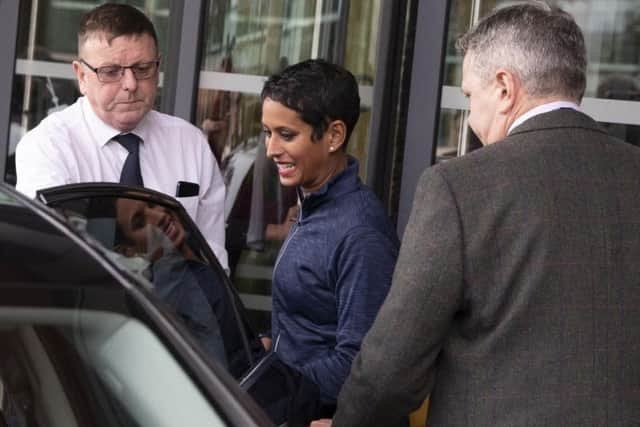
[150,234]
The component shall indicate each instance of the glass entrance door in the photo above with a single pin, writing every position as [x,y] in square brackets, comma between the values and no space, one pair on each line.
[246,41]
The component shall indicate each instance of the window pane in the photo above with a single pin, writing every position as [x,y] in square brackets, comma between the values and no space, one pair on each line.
[157,240]
[612,35]
[245,42]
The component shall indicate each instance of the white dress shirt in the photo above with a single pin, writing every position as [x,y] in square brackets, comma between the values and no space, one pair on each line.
[74,145]
[541,109]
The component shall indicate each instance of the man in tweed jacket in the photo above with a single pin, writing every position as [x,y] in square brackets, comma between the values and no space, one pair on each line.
[516,297]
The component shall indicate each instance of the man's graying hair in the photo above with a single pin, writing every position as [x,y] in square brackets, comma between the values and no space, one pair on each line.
[541,44]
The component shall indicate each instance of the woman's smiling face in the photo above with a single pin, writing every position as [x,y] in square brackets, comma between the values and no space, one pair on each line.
[301,161]
[140,221]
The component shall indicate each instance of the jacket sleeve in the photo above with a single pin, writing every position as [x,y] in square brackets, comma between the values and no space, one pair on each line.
[395,369]
[361,268]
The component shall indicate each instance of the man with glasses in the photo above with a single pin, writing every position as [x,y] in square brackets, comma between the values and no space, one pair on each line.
[112,133]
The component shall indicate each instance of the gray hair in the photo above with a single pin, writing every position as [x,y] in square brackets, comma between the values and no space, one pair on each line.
[541,44]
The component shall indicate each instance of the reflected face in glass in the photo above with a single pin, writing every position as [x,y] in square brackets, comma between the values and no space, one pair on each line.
[300,161]
[484,117]
[121,104]
[140,223]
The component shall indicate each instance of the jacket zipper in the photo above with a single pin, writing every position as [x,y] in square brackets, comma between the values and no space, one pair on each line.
[286,242]
[275,266]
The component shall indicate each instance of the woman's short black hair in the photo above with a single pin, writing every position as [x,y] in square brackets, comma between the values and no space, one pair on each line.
[320,92]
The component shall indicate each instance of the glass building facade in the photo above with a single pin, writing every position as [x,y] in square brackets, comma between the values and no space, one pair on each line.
[216,55]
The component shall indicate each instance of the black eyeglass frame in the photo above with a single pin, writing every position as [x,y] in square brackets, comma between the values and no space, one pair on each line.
[134,69]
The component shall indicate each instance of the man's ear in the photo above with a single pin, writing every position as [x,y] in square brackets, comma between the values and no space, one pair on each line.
[337,133]
[81,75]
[508,86]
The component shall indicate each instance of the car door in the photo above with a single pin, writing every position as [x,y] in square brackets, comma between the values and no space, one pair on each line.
[151,235]
[83,342]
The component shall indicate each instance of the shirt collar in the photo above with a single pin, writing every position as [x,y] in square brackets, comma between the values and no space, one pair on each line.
[541,109]
[104,133]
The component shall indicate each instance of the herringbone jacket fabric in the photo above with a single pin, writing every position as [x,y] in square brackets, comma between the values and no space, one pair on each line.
[516,297]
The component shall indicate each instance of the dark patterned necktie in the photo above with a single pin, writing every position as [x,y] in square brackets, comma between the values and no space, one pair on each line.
[131,174]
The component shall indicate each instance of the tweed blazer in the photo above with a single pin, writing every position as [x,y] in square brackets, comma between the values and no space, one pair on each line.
[516,297]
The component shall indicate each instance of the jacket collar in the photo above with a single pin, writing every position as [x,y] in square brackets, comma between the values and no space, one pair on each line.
[558,119]
[344,182]
[541,109]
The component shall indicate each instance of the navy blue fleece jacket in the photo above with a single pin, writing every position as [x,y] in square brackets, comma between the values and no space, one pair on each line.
[333,273]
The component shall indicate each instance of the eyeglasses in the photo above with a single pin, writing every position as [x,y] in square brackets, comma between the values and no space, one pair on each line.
[113,73]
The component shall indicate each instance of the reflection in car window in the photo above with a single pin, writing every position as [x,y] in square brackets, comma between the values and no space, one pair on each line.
[170,253]
[155,234]
[77,367]
[153,240]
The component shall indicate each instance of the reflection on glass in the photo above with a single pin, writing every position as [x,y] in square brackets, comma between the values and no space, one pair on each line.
[448,130]
[266,36]
[153,240]
[156,235]
[624,88]
[221,124]
[149,230]
[459,21]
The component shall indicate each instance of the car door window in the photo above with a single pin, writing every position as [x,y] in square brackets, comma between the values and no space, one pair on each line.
[151,235]
[76,367]
[153,239]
